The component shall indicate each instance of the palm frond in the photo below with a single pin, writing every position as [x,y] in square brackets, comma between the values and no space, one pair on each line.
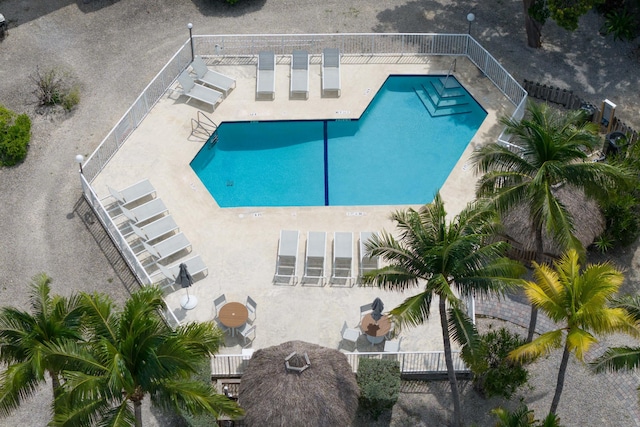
[413,311]
[194,397]
[17,383]
[579,341]
[538,347]
[464,332]
[629,303]
[617,359]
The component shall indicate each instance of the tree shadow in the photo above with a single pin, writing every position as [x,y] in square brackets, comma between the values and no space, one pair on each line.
[221,8]
[18,12]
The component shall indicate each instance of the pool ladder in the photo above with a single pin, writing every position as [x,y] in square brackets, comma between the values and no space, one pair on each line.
[203,127]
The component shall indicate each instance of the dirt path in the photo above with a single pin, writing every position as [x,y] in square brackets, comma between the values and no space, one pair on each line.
[116,47]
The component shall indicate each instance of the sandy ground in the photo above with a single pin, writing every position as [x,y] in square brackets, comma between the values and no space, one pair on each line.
[114,48]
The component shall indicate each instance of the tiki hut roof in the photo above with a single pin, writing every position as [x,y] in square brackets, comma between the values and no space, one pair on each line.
[587,218]
[325,393]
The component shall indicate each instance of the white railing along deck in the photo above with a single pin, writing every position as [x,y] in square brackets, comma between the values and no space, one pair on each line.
[411,362]
[245,47]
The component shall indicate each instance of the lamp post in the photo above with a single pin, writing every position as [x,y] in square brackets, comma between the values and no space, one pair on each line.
[470,17]
[79,160]
[190,26]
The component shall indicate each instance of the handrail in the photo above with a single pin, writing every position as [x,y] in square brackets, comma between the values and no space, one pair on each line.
[452,66]
[200,127]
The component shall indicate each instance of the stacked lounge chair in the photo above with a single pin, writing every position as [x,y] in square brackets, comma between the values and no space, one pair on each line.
[286,264]
[314,265]
[196,91]
[342,267]
[300,73]
[331,71]
[212,78]
[266,74]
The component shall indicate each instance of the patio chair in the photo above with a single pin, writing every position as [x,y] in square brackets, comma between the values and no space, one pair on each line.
[364,309]
[341,271]
[220,326]
[202,93]
[331,71]
[165,248]
[195,265]
[143,213]
[314,265]
[155,229]
[219,302]
[245,331]
[287,262]
[367,263]
[212,78]
[133,193]
[266,74]
[392,346]
[350,334]
[300,73]
[251,308]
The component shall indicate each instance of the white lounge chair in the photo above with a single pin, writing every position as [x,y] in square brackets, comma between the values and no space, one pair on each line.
[133,193]
[287,263]
[300,73]
[143,213]
[165,248]
[155,229]
[199,92]
[342,267]
[367,263]
[314,265]
[252,306]
[195,265]
[212,78]
[331,71]
[266,74]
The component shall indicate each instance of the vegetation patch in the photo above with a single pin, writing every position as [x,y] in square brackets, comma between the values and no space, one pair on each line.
[15,134]
[379,382]
[55,87]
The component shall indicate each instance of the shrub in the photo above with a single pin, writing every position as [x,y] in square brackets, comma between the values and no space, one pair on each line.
[523,417]
[201,420]
[620,23]
[379,382]
[54,87]
[15,134]
[493,373]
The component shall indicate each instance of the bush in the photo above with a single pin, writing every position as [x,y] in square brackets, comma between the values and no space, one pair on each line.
[15,134]
[379,382]
[55,87]
[620,23]
[523,417]
[493,373]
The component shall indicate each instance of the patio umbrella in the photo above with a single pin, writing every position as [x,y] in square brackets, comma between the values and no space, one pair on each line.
[185,280]
[323,394]
[377,306]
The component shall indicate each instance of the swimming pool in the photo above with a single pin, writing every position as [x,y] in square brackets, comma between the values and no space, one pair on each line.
[397,153]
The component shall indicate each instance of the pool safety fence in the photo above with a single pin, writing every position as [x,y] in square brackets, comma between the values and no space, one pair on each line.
[367,48]
[417,364]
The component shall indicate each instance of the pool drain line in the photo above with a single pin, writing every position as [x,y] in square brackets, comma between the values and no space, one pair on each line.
[326,165]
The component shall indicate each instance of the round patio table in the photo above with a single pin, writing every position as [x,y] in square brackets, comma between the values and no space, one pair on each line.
[233,315]
[375,331]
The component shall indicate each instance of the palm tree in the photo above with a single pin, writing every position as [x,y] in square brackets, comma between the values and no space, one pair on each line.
[626,357]
[133,353]
[554,151]
[24,337]
[446,257]
[578,301]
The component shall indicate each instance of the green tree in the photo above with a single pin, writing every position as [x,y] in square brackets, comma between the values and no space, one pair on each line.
[555,148]
[445,257]
[565,13]
[578,302]
[626,357]
[24,337]
[133,353]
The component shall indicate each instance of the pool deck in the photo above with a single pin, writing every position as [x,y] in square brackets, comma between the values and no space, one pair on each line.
[239,245]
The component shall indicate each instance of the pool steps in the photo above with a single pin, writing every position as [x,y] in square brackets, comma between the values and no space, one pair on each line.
[443,101]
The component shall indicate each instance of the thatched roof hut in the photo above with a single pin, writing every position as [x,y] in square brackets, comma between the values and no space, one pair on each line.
[587,218]
[319,390]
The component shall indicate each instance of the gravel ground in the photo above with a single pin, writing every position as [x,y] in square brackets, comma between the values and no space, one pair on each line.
[114,48]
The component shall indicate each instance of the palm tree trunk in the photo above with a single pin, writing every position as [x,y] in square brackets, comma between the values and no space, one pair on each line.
[533,27]
[560,383]
[455,395]
[55,382]
[533,319]
[137,407]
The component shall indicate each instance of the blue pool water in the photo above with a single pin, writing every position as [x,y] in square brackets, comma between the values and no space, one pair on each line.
[395,154]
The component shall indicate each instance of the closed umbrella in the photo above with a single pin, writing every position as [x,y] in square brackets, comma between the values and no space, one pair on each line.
[377,306]
[185,280]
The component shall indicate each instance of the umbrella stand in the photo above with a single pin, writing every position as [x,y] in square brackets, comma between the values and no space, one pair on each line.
[188,302]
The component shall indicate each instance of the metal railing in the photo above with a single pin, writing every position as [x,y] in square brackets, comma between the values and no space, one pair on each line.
[245,47]
[411,362]
[121,244]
